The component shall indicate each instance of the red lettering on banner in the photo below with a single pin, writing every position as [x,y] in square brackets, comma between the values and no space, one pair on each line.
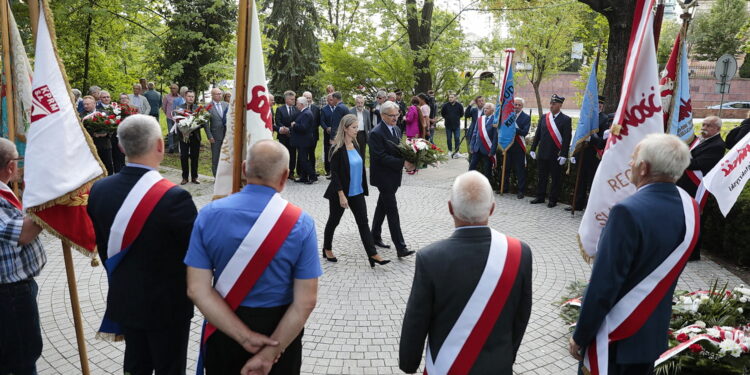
[638,114]
[620,180]
[44,103]
[259,104]
[601,218]
[728,166]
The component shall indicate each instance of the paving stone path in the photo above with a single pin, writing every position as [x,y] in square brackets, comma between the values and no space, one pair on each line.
[356,326]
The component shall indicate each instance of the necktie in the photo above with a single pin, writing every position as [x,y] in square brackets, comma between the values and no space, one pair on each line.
[218,108]
[393,131]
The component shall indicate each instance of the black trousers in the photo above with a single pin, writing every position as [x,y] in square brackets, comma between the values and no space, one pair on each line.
[305,169]
[362,143]
[588,170]
[223,355]
[311,155]
[104,150]
[284,140]
[486,162]
[359,209]
[326,152]
[118,158]
[388,207]
[20,334]
[548,169]
[516,163]
[163,351]
[189,156]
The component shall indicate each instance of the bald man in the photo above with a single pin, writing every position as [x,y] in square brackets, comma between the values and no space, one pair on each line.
[249,333]
[439,296]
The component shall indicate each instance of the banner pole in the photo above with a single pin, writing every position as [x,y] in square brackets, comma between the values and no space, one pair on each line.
[578,181]
[76,307]
[10,103]
[240,91]
[502,178]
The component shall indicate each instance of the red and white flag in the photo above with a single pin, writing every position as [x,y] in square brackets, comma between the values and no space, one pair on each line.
[639,113]
[61,161]
[727,179]
[258,122]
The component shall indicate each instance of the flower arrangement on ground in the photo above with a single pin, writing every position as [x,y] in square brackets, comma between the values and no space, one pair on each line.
[709,330]
[188,121]
[422,152]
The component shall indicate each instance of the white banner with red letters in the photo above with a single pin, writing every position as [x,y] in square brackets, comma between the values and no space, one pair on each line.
[727,179]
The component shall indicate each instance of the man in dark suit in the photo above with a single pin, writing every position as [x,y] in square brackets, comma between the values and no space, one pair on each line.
[735,135]
[315,111]
[386,165]
[147,290]
[704,156]
[516,154]
[302,139]
[339,110]
[285,116]
[218,125]
[473,111]
[380,98]
[482,149]
[642,233]
[363,122]
[325,122]
[553,135]
[589,158]
[439,296]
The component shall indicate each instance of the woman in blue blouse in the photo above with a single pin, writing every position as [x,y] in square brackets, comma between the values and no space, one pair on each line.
[348,189]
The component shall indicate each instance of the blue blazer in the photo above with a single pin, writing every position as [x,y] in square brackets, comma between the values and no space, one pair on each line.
[302,131]
[325,116]
[386,163]
[473,113]
[640,233]
[339,111]
[476,142]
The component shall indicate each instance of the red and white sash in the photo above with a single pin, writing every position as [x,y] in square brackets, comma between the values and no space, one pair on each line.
[469,334]
[521,143]
[701,194]
[485,137]
[695,143]
[9,196]
[135,210]
[255,253]
[552,129]
[629,314]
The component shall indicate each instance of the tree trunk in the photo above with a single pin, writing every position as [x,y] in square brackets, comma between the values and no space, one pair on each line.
[538,97]
[86,55]
[419,24]
[619,39]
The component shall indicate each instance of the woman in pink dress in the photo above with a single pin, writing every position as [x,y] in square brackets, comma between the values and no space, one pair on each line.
[413,119]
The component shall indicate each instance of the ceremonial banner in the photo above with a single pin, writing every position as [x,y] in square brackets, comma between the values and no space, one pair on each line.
[21,79]
[589,121]
[61,162]
[727,179]
[639,113]
[675,93]
[258,122]
[504,108]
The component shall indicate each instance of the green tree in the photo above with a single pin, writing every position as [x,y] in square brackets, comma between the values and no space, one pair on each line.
[667,36]
[197,42]
[717,32]
[295,56]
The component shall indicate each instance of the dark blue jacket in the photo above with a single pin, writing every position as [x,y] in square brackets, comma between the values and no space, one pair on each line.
[148,290]
[476,138]
[640,233]
[339,111]
[386,163]
[523,122]
[302,131]
[548,150]
[284,117]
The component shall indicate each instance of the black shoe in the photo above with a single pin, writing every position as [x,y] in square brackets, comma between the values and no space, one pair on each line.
[309,182]
[537,201]
[570,208]
[379,243]
[519,196]
[551,204]
[302,180]
[331,259]
[328,177]
[380,262]
[195,181]
[404,253]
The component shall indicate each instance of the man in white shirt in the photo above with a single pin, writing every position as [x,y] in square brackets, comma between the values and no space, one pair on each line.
[217,125]
[139,101]
[364,122]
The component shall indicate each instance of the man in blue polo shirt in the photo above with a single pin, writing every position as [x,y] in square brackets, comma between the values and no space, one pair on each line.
[270,319]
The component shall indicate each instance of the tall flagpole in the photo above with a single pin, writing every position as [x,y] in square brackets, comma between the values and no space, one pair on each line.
[67,255]
[10,103]
[240,91]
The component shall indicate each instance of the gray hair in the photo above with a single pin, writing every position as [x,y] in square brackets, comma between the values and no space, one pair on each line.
[104,92]
[381,94]
[183,90]
[8,152]
[137,134]
[522,100]
[302,100]
[307,93]
[94,89]
[267,160]
[76,93]
[392,95]
[471,197]
[488,104]
[666,154]
[388,106]
[714,120]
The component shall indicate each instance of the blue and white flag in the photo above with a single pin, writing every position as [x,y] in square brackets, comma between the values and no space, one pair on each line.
[681,113]
[504,108]
[588,123]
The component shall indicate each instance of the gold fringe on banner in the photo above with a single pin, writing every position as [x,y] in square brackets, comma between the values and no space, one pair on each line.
[110,337]
[586,258]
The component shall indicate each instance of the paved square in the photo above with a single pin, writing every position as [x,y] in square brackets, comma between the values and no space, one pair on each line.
[356,326]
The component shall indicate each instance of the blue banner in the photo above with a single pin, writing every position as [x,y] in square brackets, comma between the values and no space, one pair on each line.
[588,123]
[681,115]
[505,112]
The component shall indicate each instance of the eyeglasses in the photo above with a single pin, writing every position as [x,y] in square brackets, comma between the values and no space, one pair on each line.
[14,159]
[391,116]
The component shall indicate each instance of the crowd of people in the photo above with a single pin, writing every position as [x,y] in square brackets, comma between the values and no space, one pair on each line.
[249,261]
